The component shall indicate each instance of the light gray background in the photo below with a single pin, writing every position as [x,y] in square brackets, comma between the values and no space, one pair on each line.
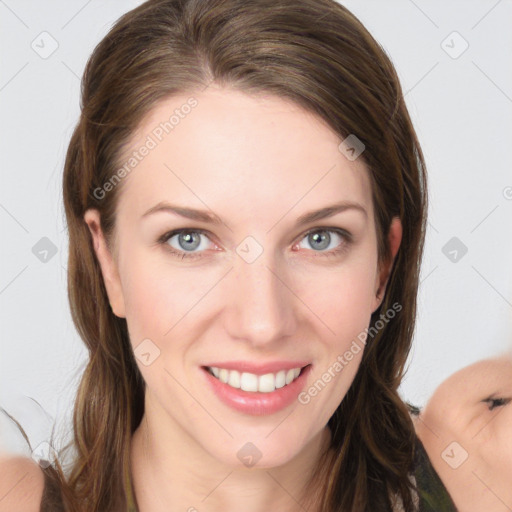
[461,108]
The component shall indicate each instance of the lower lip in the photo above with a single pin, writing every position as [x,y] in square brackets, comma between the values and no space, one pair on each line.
[256,403]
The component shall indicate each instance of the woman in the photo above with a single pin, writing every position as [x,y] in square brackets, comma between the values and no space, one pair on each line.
[227,376]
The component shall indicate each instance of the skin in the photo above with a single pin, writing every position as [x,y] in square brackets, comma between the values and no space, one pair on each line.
[458,411]
[258,163]
[21,484]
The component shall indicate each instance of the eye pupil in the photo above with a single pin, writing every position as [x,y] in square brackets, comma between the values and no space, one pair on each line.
[189,238]
[322,236]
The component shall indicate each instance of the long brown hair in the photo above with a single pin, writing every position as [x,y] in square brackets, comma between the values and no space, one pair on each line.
[319,55]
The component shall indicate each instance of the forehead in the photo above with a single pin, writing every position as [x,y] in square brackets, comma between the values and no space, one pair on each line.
[481,379]
[242,153]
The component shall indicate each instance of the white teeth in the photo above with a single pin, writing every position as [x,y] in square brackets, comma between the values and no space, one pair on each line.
[266,383]
[234,379]
[280,379]
[224,375]
[251,382]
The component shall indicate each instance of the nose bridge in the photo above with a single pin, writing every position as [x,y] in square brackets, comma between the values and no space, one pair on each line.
[261,307]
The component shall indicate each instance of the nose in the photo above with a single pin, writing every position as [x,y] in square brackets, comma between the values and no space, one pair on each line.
[262,306]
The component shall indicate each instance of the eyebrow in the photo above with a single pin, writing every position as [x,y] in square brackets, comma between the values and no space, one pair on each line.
[212,218]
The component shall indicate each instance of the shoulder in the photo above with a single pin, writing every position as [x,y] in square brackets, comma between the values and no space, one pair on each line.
[21,484]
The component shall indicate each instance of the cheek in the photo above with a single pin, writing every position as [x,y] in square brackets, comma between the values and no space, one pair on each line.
[493,460]
[498,450]
[155,297]
[341,298]
[342,315]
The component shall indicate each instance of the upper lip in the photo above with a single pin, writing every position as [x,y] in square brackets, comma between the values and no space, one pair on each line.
[258,368]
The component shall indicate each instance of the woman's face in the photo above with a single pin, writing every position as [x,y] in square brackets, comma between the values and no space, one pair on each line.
[253,291]
[467,430]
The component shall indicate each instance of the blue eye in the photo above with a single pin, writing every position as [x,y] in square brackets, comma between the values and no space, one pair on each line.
[319,239]
[187,238]
[191,239]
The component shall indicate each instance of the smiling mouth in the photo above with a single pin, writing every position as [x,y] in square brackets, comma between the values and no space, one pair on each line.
[254,383]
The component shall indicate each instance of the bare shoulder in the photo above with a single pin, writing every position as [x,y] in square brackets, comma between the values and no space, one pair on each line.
[21,484]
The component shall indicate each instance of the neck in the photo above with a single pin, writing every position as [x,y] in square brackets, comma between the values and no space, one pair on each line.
[172,471]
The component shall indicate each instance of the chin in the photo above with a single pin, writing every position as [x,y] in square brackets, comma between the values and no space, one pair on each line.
[259,453]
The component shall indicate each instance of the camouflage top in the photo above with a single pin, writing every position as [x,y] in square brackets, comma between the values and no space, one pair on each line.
[433,496]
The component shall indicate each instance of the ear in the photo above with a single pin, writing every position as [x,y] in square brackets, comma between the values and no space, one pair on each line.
[108,265]
[394,239]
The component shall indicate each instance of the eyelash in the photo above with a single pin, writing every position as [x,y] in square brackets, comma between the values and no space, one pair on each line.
[182,254]
[496,402]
